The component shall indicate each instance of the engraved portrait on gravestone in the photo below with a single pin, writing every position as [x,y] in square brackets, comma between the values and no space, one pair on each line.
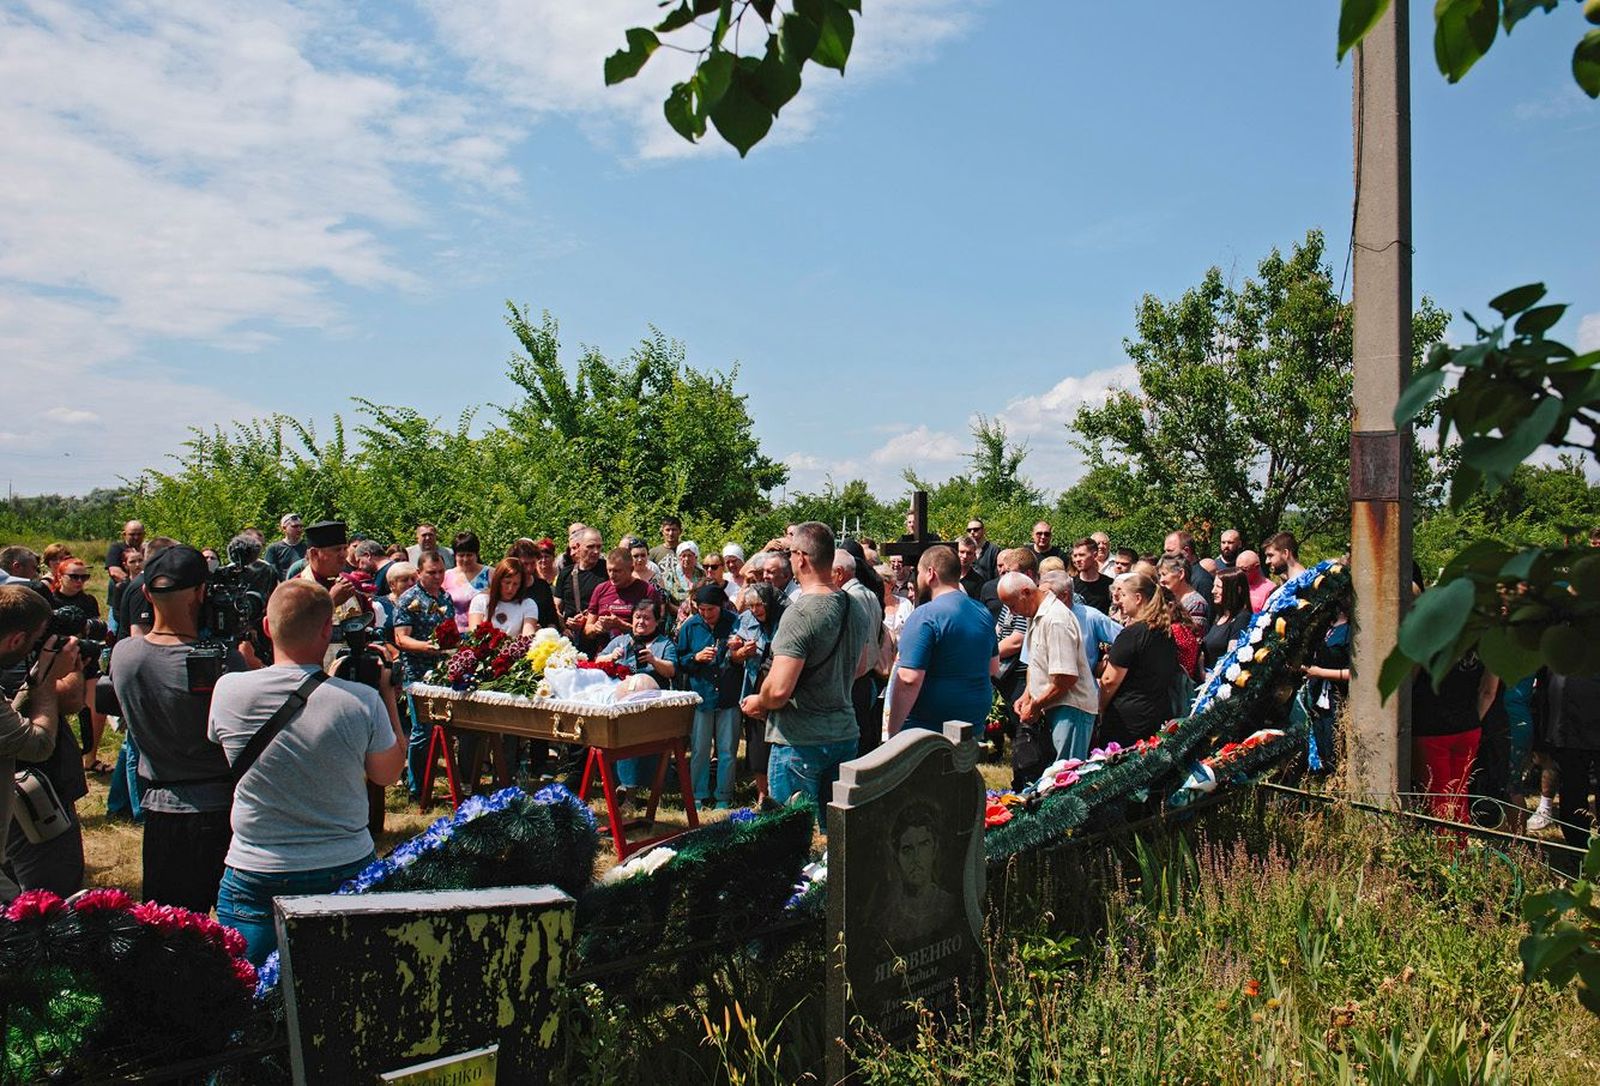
[913,905]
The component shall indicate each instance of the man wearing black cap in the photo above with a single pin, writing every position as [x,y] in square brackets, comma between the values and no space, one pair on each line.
[326,541]
[164,690]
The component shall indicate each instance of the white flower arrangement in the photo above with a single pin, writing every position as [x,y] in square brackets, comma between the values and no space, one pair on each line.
[642,864]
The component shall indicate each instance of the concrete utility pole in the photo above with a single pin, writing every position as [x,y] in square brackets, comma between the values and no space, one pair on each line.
[1380,455]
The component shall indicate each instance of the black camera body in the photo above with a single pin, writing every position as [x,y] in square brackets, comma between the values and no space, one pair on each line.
[358,661]
[93,635]
[233,605]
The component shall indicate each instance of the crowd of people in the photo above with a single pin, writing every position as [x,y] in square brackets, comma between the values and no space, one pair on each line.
[261,688]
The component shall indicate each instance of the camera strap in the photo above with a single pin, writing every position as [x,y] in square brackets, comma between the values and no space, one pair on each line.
[275,724]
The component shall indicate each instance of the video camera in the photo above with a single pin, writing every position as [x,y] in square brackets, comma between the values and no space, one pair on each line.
[233,605]
[230,613]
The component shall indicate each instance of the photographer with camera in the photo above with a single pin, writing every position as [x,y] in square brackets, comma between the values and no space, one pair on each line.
[301,747]
[78,613]
[246,569]
[30,721]
[164,682]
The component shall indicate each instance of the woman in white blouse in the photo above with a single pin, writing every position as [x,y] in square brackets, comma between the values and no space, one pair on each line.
[896,608]
[502,605]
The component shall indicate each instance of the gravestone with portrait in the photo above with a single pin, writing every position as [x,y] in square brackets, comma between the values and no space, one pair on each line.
[426,987]
[905,887]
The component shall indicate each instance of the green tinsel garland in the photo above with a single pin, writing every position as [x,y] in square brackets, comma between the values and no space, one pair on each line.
[726,879]
[1262,702]
[47,1032]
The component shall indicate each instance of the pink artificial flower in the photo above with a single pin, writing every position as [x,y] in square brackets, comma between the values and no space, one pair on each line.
[233,942]
[243,971]
[105,899]
[33,904]
[1066,778]
[165,917]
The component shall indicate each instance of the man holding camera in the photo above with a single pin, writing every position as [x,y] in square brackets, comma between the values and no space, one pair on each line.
[301,746]
[30,721]
[164,689]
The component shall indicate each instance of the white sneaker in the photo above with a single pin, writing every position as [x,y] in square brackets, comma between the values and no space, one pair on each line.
[1540,820]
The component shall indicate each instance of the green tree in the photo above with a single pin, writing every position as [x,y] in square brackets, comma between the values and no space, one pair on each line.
[647,434]
[833,505]
[1241,416]
[997,464]
[615,444]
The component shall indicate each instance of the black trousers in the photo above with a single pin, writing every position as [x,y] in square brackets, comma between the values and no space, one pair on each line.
[869,722]
[56,865]
[1579,770]
[183,857]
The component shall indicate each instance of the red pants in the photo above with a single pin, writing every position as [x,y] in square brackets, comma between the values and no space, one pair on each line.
[1440,764]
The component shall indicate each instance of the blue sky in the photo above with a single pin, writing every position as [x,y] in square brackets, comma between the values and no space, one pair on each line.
[231,210]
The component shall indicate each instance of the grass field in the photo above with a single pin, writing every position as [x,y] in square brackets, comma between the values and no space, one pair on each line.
[1333,947]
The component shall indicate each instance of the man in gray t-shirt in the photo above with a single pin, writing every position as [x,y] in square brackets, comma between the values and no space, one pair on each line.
[186,787]
[300,811]
[805,699]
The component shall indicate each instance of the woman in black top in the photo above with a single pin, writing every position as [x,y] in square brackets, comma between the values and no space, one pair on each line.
[1136,687]
[1230,596]
[537,560]
[1446,725]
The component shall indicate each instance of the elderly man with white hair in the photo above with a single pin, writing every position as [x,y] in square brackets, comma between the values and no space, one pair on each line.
[1059,689]
[780,575]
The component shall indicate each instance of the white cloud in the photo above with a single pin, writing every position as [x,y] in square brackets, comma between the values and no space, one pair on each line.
[71,416]
[1589,333]
[1053,462]
[547,59]
[916,447]
[933,454]
[174,172]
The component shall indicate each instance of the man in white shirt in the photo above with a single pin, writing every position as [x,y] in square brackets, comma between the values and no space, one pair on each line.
[1058,688]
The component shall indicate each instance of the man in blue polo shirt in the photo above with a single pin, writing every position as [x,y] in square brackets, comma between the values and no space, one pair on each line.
[947,652]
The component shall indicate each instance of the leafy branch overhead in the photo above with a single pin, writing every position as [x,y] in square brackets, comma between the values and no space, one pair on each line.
[739,92]
[1519,608]
[1464,30]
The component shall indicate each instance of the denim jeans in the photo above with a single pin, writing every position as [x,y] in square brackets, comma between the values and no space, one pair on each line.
[127,792]
[723,726]
[1070,730]
[244,900]
[809,771]
[417,749]
[638,772]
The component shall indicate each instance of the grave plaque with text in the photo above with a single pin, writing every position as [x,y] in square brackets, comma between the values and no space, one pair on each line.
[375,983]
[905,885]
